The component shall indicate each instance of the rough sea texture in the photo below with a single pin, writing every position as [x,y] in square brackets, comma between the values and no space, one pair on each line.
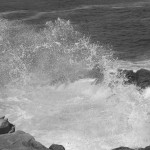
[46,50]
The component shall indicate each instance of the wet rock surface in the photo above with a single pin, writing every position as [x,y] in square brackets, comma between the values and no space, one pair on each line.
[122,148]
[6,126]
[140,78]
[56,147]
[20,140]
[127,148]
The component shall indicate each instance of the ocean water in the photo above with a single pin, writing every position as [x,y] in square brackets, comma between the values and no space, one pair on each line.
[46,51]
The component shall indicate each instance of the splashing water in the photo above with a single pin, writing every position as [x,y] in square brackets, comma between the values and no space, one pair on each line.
[54,53]
[44,90]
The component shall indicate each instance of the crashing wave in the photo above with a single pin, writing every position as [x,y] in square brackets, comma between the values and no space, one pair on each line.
[55,53]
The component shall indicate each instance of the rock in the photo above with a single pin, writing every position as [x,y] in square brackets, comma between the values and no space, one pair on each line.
[147,148]
[20,140]
[131,76]
[56,147]
[128,74]
[122,148]
[141,78]
[6,126]
[127,148]
[2,117]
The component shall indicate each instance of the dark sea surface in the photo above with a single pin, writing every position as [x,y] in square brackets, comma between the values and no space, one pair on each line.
[123,25]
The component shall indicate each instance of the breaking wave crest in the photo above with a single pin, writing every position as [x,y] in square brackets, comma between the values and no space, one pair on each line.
[55,53]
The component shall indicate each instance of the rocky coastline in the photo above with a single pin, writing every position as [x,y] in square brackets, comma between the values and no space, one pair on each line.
[19,140]
[140,78]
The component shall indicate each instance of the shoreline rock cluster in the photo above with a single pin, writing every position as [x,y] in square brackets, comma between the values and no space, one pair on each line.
[140,78]
[127,148]
[6,126]
[19,140]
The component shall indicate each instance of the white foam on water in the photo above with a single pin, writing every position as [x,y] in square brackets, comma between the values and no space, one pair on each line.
[146,93]
[82,116]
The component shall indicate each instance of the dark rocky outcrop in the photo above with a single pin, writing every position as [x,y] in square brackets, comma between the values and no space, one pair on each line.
[6,126]
[20,140]
[127,148]
[140,78]
[56,147]
[147,148]
[122,148]
[143,78]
